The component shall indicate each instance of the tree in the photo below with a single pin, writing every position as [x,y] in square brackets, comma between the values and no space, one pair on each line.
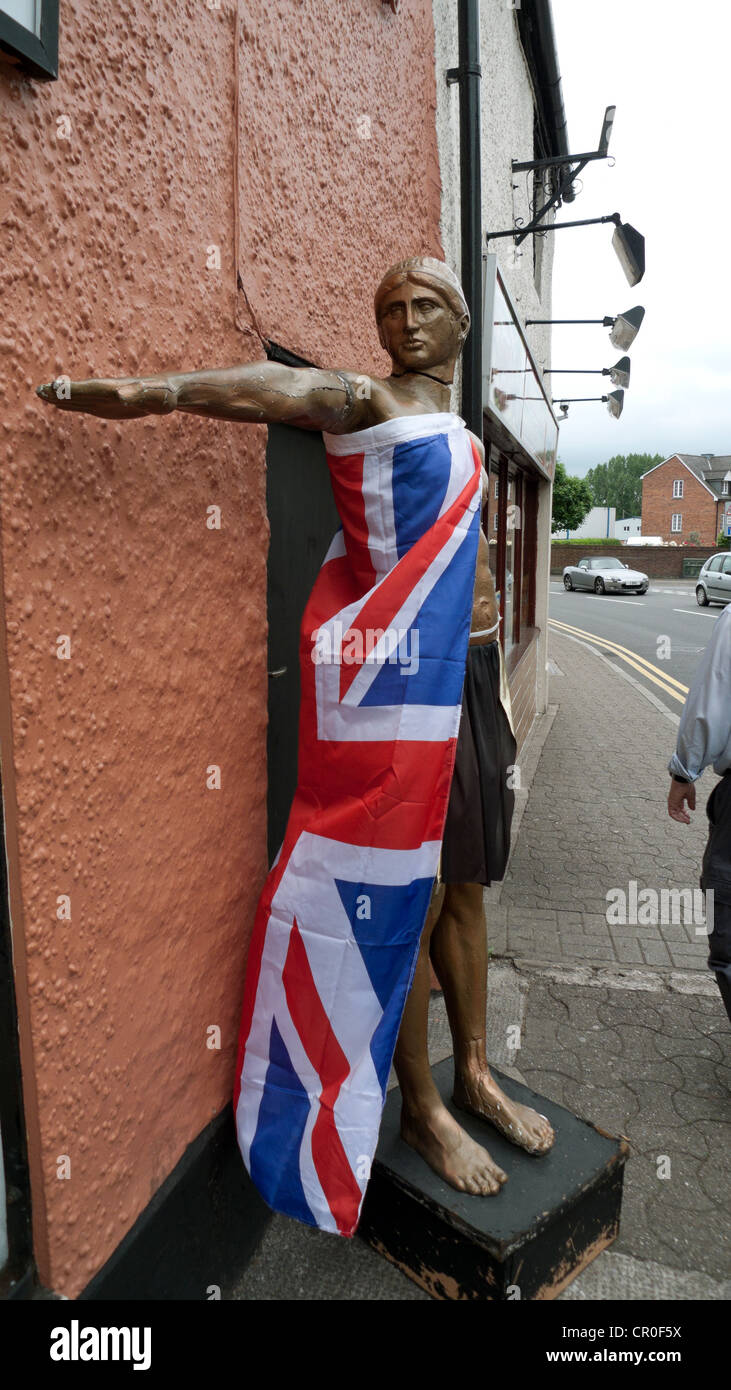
[572,500]
[617,483]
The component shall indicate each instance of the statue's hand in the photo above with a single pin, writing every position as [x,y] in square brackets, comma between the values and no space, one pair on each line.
[123,398]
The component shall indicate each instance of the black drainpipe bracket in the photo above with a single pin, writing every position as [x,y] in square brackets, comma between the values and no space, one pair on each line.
[464,70]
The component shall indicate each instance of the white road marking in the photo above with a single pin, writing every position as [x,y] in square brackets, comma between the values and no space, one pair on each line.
[673,593]
[701,612]
[623,602]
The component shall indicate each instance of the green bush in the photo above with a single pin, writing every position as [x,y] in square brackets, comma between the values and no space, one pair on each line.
[723,542]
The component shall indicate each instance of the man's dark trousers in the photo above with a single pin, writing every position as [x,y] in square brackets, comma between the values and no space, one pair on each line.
[716,874]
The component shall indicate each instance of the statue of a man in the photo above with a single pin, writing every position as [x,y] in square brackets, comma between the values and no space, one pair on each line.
[423,321]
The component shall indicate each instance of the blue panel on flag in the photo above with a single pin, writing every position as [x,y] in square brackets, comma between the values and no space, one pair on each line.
[274,1158]
[387,921]
[421,469]
[421,675]
[383,1042]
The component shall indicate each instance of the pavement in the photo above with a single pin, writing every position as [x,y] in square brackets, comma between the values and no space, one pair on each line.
[619,1020]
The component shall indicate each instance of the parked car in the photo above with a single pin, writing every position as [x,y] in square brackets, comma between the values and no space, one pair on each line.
[713,584]
[605,575]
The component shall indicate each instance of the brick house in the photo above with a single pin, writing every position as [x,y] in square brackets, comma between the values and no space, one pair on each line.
[688,494]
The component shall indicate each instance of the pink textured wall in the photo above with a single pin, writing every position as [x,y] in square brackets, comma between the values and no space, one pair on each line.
[104,238]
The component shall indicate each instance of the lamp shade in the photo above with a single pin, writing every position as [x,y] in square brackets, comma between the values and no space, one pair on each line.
[626,327]
[606,131]
[629,245]
[619,373]
[615,402]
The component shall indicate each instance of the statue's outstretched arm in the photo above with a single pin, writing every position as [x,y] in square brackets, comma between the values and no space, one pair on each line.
[259,392]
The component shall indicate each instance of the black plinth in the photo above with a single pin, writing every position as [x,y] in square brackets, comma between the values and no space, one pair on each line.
[554,1215]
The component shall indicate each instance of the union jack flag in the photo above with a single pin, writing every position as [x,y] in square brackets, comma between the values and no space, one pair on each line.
[382,657]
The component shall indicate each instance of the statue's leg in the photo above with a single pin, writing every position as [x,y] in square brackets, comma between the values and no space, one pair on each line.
[458,945]
[426,1124]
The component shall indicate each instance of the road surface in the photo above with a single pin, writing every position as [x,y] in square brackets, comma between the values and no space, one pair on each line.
[656,637]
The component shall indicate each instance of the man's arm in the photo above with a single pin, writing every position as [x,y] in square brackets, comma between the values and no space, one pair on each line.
[704,732]
[257,392]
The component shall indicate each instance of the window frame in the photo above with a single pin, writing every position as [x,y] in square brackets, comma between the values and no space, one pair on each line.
[676,530]
[677,487]
[37,55]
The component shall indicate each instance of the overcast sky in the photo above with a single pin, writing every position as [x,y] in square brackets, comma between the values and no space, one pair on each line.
[666,66]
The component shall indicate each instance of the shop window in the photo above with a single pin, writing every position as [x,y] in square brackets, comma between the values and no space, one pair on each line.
[491,521]
[529,553]
[678,487]
[513,552]
[511,574]
[29,33]
[677,522]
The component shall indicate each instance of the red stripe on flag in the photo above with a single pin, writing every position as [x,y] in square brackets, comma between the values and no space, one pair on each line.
[379,610]
[347,485]
[327,1057]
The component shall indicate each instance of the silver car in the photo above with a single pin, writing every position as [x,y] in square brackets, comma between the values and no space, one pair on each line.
[714,581]
[605,575]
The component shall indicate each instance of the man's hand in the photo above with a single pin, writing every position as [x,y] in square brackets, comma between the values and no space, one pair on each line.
[681,793]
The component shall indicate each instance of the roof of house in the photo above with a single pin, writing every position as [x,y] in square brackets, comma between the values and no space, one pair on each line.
[710,469]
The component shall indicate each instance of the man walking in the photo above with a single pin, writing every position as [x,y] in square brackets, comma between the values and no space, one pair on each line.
[704,737]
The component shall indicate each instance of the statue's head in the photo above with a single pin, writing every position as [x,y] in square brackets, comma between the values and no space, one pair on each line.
[421,314]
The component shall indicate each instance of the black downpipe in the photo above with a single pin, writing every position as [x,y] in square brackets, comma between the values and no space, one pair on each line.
[471,208]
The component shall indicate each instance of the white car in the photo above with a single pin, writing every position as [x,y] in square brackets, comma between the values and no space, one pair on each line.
[605,575]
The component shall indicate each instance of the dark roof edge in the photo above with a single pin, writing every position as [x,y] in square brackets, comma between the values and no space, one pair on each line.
[535,26]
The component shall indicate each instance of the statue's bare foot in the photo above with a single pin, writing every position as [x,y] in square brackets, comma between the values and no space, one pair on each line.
[435,1134]
[479,1094]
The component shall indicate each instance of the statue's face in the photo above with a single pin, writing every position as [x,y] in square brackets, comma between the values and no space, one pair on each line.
[418,329]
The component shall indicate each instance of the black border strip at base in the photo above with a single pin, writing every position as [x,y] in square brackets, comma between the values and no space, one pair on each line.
[198,1232]
[195,1237]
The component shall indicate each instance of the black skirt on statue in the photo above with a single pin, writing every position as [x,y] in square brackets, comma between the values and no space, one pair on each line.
[476,840]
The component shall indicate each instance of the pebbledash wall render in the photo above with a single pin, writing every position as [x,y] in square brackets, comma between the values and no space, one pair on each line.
[122,186]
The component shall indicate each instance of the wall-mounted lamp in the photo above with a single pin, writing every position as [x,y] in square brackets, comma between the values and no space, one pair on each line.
[566,172]
[628,243]
[614,403]
[618,374]
[624,328]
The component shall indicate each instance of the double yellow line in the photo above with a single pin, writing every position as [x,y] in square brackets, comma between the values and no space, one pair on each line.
[645,668]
